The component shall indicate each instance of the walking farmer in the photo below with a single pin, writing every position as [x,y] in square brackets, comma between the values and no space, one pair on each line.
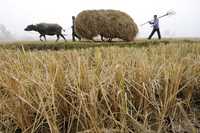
[155,24]
[73,30]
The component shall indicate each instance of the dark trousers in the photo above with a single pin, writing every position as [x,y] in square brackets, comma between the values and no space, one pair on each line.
[75,35]
[155,30]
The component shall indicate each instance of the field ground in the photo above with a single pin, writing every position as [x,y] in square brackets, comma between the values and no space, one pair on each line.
[52,45]
[93,87]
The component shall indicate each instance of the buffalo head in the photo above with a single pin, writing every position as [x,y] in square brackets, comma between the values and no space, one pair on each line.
[31,28]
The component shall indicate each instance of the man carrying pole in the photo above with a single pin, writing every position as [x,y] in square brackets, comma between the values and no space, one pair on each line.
[155,24]
[73,30]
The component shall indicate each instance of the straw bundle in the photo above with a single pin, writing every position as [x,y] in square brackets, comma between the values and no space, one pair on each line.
[106,23]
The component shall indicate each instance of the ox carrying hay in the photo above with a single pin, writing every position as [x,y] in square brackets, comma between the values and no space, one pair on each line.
[106,23]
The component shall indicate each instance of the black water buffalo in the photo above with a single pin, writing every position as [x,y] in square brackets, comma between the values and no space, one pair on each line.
[46,29]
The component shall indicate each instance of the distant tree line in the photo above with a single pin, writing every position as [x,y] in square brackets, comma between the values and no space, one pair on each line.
[5,35]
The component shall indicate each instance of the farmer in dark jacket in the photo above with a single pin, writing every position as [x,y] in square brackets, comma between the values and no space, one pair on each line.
[155,24]
[74,34]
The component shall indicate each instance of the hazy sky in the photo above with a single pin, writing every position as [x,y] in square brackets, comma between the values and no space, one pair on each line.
[16,14]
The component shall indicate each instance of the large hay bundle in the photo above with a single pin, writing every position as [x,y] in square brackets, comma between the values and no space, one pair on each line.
[107,23]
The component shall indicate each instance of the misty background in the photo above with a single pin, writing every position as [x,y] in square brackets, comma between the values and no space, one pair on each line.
[15,15]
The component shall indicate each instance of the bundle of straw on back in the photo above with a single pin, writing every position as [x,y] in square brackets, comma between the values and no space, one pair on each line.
[106,23]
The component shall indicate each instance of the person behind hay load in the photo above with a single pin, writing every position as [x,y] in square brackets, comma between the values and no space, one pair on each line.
[156,28]
[74,34]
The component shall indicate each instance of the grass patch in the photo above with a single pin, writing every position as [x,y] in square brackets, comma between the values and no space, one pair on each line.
[36,45]
[142,87]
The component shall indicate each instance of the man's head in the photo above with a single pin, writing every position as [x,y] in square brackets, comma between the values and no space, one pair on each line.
[155,16]
[73,17]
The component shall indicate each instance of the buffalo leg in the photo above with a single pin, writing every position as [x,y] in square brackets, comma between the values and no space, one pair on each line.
[41,37]
[58,37]
[45,38]
[62,36]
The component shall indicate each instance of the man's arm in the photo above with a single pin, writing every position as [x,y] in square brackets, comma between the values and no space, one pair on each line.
[150,22]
